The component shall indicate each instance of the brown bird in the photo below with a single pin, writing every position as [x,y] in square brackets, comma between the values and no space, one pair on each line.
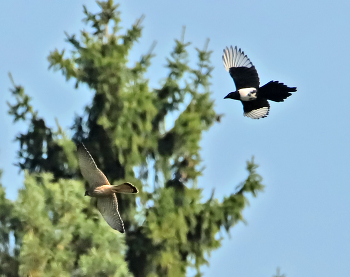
[100,188]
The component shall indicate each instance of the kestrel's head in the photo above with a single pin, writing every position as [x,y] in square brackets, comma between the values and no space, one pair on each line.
[86,193]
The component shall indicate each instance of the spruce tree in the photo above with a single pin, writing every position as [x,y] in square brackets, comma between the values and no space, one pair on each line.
[169,227]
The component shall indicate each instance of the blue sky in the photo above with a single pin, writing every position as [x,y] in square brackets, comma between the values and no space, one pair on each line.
[301,222]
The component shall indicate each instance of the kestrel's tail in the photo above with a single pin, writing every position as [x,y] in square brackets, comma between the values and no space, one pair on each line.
[276,91]
[125,188]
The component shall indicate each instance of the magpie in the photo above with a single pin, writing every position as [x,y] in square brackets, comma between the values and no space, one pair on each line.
[246,79]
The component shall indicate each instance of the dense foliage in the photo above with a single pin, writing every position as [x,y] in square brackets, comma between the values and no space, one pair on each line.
[169,226]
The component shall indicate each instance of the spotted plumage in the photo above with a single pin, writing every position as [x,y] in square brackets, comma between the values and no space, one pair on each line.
[100,188]
[246,79]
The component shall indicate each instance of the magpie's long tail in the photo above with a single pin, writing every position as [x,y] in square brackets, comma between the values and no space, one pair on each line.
[276,91]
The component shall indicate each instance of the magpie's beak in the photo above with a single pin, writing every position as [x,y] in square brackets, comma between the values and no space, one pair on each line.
[232,95]
[86,193]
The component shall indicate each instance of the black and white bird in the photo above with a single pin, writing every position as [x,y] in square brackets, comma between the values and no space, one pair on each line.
[246,79]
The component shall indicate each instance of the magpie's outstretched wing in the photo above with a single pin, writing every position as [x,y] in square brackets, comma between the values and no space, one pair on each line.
[256,109]
[240,67]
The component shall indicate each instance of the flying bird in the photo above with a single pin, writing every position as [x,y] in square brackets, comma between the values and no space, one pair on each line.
[246,79]
[100,188]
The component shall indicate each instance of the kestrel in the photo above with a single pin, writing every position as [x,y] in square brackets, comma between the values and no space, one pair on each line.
[246,79]
[100,188]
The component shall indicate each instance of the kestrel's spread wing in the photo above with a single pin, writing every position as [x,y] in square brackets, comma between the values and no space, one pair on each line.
[89,169]
[240,67]
[108,207]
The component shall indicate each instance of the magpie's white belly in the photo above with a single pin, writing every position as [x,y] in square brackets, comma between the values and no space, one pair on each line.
[247,94]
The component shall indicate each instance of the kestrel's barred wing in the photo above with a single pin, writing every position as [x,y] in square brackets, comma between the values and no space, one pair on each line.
[240,67]
[89,169]
[256,109]
[108,207]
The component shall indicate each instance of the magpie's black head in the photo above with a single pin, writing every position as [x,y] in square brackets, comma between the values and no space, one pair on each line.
[233,95]
[86,193]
